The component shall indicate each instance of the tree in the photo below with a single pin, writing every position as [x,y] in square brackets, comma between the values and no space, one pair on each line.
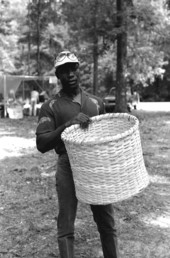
[90,22]
[121,103]
[41,17]
[35,31]
[141,45]
[9,34]
[148,38]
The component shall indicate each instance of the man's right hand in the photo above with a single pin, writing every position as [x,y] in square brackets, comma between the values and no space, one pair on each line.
[81,119]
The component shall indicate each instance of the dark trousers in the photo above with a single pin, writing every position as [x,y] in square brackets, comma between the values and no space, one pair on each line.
[102,214]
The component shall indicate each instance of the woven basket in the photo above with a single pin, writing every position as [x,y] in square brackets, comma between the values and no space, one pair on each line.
[106,160]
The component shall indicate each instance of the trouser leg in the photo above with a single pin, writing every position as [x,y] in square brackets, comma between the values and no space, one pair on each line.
[103,216]
[67,202]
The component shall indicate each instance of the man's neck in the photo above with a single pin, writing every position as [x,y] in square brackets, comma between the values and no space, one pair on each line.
[72,94]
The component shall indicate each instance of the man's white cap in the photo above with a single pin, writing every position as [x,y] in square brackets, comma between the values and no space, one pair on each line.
[65,57]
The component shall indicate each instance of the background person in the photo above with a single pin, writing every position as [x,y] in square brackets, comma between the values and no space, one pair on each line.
[135,99]
[72,106]
[34,101]
[11,97]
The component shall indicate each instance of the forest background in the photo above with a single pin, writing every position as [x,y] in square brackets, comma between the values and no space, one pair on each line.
[32,32]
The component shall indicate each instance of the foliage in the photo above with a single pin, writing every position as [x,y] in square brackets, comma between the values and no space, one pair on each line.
[9,34]
[90,17]
[148,33]
[38,35]
[91,24]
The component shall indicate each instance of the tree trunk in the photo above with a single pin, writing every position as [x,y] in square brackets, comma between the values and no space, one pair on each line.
[29,41]
[95,50]
[95,67]
[121,102]
[38,37]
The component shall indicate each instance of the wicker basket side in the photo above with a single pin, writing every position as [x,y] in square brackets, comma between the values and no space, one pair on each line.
[111,170]
[105,175]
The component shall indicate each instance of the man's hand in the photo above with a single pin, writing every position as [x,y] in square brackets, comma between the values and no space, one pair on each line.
[81,119]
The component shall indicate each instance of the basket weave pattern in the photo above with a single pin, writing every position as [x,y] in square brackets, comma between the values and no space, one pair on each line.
[106,159]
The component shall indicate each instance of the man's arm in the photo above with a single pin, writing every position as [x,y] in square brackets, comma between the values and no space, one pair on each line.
[47,137]
[48,140]
[48,130]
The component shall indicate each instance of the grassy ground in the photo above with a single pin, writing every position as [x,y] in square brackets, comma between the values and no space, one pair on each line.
[28,201]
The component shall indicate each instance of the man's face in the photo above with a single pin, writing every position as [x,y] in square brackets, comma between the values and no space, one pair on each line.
[69,77]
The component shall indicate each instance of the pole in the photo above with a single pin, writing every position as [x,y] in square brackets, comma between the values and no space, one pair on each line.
[5,97]
[23,90]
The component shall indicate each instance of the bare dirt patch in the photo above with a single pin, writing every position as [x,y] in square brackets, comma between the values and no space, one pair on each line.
[28,201]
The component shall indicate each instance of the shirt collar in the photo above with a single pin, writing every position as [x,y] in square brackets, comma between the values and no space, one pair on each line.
[83,96]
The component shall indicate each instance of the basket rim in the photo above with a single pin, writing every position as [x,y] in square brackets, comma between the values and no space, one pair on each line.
[103,139]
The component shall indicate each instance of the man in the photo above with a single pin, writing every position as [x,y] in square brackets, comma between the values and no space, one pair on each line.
[72,106]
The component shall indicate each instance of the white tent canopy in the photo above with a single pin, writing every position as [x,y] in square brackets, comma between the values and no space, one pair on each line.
[12,82]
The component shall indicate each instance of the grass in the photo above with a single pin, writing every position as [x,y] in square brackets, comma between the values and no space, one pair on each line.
[28,207]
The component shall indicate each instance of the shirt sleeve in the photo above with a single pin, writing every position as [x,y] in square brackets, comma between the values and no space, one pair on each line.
[100,104]
[46,120]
